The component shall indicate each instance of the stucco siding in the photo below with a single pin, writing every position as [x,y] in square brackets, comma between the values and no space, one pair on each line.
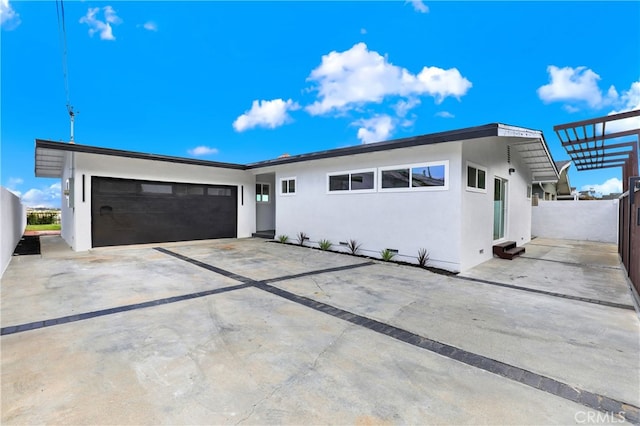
[478,207]
[67,214]
[13,220]
[405,221]
[590,220]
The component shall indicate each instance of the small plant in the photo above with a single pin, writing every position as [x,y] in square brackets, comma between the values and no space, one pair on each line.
[353,246]
[324,244]
[302,237]
[423,257]
[283,238]
[387,254]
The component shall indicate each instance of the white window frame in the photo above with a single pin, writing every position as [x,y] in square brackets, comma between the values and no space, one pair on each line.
[353,191]
[466,176]
[270,192]
[445,187]
[287,179]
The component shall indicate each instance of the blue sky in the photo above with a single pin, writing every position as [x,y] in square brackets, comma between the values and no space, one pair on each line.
[249,81]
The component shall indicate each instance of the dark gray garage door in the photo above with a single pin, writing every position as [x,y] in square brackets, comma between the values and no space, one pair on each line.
[125,211]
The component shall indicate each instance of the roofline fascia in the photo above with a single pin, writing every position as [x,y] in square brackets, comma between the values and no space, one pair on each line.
[468,133]
[69,147]
[486,130]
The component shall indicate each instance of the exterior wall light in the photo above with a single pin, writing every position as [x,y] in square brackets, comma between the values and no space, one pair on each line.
[512,170]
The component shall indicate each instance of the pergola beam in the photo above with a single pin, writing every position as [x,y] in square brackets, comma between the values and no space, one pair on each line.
[607,118]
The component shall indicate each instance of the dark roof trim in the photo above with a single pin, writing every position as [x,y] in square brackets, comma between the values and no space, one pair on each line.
[476,132]
[448,136]
[62,146]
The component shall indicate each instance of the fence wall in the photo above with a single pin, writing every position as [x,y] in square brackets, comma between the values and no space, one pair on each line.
[13,220]
[629,234]
[592,220]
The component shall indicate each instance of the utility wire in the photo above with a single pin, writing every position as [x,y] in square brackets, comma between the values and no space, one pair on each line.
[62,34]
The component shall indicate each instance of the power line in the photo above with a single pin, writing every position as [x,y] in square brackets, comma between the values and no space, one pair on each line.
[62,35]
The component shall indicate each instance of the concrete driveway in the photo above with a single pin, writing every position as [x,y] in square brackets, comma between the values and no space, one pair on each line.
[255,332]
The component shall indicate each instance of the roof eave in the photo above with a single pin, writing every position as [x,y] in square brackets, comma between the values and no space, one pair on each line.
[433,138]
[67,147]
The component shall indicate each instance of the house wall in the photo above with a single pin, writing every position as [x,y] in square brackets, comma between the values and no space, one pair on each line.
[67,214]
[13,220]
[477,207]
[546,191]
[133,168]
[406,221]
[590,220]
[266,212]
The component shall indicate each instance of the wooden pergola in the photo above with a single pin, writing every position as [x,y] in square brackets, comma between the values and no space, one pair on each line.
[590,147]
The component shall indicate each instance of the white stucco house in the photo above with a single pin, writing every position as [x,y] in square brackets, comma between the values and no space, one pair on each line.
[454,193]
[559,190]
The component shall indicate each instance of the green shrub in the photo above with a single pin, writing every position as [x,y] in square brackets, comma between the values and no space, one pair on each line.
[324,244]
[283,239]
[41,218]
[387,254]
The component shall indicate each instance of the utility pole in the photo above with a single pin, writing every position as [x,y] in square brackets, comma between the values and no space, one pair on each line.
[72,116]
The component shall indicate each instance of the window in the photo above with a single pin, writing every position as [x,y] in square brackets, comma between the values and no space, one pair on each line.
[117,186]
[222,192]
[339,183]
[157,188]
[187,189]
[262,192]
[426,176]
[476,178]
[288,186]
[358,180]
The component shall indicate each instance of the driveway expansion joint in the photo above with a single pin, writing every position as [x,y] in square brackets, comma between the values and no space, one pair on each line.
[547,293]
[549,385]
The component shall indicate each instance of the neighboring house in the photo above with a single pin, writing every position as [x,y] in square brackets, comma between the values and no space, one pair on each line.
[559,190]
[612,196]
[453,193]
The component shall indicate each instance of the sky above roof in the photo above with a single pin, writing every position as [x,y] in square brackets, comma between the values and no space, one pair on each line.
[248,81]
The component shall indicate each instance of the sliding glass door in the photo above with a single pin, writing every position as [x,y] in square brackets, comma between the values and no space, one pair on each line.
[499,208]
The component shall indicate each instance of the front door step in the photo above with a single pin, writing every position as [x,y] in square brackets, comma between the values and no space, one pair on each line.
[507,250]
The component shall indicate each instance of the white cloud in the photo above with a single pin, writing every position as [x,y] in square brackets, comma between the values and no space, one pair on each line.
[269,114]
[629,101]
[570,108]
[150,26]
[200,151]
[444,114]
[349,79]
[46,197]
[9,19]
[102,27]
[611,185]
[14,181]
[418,6]
[577,85]
[403,107]
[375,129]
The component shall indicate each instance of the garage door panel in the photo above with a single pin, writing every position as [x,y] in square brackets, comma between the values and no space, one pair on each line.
[134,212]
